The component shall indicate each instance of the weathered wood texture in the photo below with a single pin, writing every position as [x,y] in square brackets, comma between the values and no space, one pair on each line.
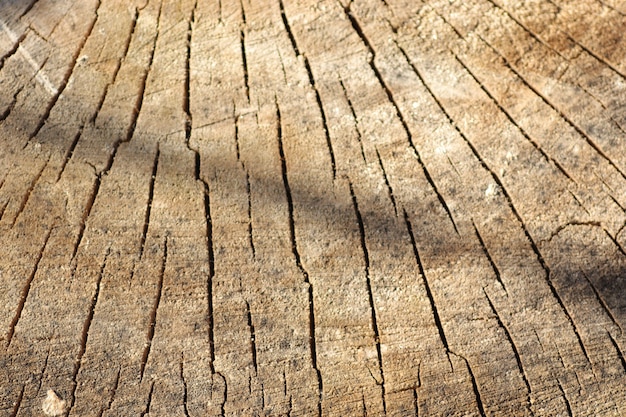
[302,207]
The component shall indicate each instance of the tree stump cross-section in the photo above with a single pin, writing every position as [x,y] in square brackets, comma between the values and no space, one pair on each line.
[312,208]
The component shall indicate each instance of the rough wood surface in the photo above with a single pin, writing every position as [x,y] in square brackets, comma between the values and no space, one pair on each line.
[303,207]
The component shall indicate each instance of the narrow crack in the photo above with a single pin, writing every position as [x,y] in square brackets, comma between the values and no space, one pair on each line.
[494,267]
[118,66]
[516,353]
[290,408]
[153,313]
[236,120]
[285,383]
[29,191]
[370,293]
[205,189]
[9,109]
[356,121]
[615,242]
[70,152]
[419,375]
[223,404]
[86,212]
[329,143]
[253,350]
[236,117]
[318,98]
[363,405]
[292,39]
[187,88]
[429,294]
[26,290]
[479,401]
[141,94]
[113,392]
[572,223]
[18,402]
[146,222]
[65,14]
[262,396]
[620,355]
[27,9]
[574,327]
[580,203]
[296,254]
[184,381]
[196,164]
[579,386]
[250,231]
[210,278]
[3,208]
[389,188]
[568,406]
[242,40]
[603,303]
[16,45]
[282,65]
[85,333]
[43,369]
[608,6]
[146,410]
[610,191]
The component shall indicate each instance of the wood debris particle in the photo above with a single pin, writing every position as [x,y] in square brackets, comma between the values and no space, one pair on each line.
[53,405]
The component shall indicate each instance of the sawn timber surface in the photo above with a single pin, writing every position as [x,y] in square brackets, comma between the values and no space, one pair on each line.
[312,208]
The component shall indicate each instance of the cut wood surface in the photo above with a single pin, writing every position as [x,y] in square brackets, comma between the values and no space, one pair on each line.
[312,208]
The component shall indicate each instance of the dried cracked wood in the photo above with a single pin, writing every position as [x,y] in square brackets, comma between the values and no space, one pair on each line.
[312,208]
